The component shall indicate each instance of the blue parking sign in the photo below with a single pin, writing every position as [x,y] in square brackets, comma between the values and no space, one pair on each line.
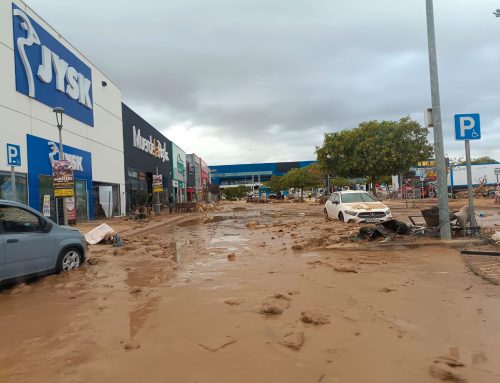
[13,155]
[467,127]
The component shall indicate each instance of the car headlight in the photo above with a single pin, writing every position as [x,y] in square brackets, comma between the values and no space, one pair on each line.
[351,212]
[387,212]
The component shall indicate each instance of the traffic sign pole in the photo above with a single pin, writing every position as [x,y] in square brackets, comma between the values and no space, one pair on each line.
[13,182]
[472,215]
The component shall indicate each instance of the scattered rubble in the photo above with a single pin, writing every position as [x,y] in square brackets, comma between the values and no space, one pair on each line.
[314,317]
[443,368]
[293,340]
[345,269]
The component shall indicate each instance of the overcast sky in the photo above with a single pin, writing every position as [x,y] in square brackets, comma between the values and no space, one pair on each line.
[239,81]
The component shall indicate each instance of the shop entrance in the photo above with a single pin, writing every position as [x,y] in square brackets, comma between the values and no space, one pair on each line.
[107,200]
[54,210]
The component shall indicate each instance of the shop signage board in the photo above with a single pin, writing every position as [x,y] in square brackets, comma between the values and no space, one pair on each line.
[178,164]
[41,153]
[150,145]
[64,183]
[157,183]
[49,72]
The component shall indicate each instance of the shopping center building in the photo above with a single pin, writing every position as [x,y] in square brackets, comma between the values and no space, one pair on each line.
[147,152]
[40,71]
[251,175]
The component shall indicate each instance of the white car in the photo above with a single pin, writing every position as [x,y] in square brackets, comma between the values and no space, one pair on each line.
[356,206]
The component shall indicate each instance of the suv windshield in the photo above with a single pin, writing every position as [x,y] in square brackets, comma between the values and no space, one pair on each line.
[358,197]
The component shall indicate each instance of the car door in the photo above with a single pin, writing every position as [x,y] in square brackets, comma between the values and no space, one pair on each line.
[28,248]
[328,206]
[335,205]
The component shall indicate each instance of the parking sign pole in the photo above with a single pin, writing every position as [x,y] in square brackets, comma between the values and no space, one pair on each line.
[13,182]
[472,215]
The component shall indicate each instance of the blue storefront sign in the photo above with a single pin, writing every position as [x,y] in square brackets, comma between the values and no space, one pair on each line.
[41,153]
[48,72]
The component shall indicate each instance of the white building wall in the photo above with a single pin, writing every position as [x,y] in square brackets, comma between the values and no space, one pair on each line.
[21,115]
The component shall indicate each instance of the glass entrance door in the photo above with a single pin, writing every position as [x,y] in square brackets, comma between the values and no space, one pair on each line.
[82,202]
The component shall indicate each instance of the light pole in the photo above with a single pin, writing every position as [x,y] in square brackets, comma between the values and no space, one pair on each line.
[442,184]
[59,112]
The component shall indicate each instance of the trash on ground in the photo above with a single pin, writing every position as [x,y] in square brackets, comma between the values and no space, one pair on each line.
[101,232]
[387,229]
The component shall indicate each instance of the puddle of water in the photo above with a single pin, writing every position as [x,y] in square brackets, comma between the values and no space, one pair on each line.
[204,220]
[231,239]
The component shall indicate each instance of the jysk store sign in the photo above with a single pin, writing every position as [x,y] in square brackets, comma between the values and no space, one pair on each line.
[48,72]
[41,156]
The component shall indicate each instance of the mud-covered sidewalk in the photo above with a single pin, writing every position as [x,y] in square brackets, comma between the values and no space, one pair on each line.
[253,293]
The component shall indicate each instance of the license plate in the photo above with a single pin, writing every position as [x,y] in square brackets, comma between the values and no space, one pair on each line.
[372,220]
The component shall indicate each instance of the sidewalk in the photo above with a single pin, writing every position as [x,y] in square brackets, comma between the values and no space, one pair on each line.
[485,266]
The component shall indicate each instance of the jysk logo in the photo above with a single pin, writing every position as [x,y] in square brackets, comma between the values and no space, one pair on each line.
[48,72]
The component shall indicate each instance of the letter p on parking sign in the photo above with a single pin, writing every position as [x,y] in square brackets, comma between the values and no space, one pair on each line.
[13,155]
[467,127]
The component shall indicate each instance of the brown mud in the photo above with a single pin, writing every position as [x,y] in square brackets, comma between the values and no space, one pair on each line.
[171,307]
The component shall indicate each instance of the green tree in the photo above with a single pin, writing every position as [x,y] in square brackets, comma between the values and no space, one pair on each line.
[276,184]
[300,178]
[339,181]
[478,160]
[374,149]
[234,193]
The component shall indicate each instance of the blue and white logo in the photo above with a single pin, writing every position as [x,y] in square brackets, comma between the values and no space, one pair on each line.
[48,72]
[13,155]
[467,127]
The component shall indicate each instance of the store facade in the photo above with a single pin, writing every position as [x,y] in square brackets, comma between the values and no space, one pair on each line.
[146,155]
[179,174]
[40,71]
[205,181]
[193,177]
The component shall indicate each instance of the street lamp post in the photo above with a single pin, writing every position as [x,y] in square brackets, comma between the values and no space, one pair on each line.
[59,112]
[442,184]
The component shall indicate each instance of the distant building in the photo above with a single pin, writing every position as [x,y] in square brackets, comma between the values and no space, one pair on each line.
[252,175]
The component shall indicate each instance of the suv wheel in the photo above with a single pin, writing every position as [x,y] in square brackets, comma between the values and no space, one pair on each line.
[69,259]
[327,217]
[341,216]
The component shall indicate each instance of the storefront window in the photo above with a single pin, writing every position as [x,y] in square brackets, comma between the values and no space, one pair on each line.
[6,187]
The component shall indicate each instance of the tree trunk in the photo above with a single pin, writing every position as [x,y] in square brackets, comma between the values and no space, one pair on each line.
[302,194]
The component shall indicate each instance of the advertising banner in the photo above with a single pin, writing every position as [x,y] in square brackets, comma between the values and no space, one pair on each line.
[71,208]
[46,205]
[157,183]
[63,178]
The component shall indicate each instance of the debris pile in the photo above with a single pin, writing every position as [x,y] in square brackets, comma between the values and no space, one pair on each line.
[388,230]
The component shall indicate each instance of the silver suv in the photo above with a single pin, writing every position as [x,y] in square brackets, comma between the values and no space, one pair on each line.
[31,244]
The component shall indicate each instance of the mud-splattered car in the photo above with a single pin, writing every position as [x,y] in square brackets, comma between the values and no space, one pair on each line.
[356,206]
[31,244]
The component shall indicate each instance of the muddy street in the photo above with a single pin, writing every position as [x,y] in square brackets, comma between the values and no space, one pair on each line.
[254,293]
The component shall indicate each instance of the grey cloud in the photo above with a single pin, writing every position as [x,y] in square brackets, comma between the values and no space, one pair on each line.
[274,75]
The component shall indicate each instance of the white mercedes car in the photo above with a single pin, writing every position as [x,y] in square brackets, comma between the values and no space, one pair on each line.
[356,206]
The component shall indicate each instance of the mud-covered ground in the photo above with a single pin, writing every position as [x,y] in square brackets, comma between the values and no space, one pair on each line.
[255,293]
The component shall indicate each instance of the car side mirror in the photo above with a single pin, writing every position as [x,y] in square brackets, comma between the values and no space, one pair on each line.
[46,226]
